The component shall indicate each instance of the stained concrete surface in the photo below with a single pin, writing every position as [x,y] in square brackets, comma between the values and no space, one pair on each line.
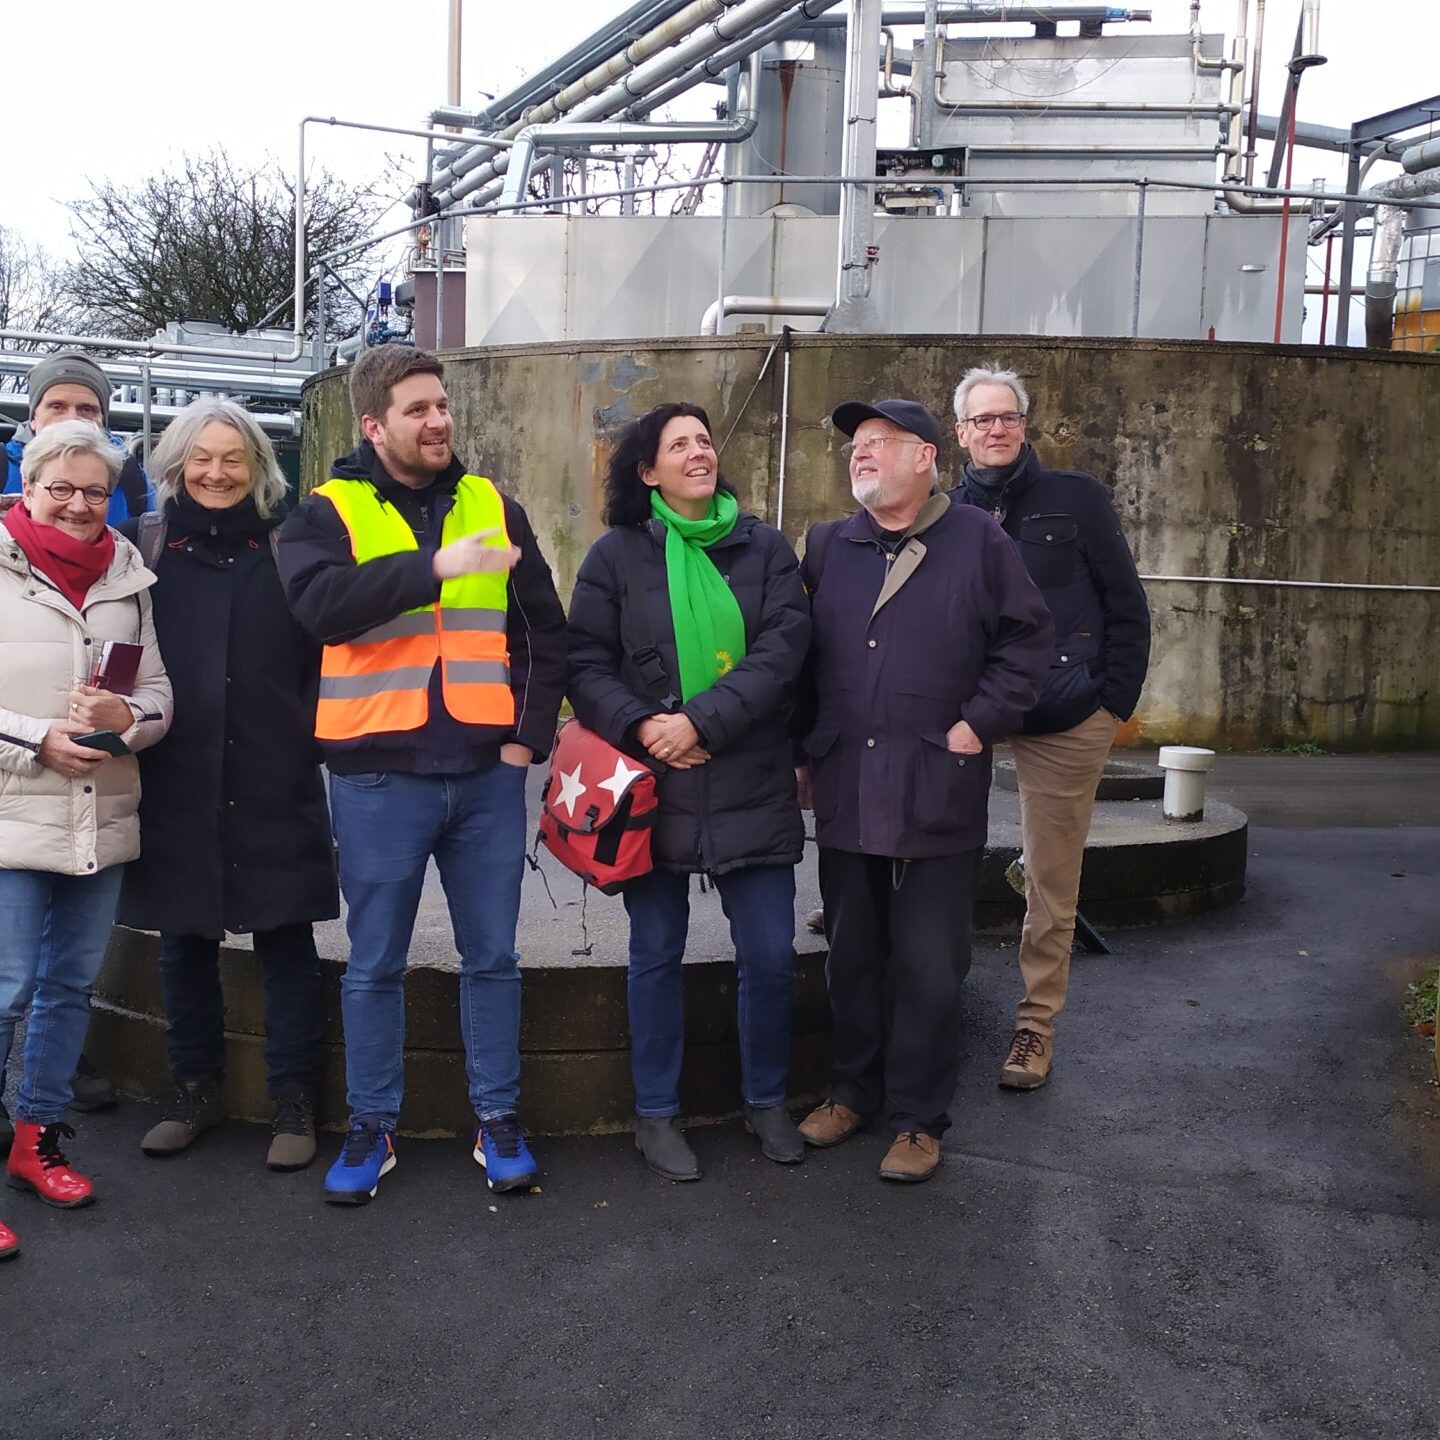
[1217,1220]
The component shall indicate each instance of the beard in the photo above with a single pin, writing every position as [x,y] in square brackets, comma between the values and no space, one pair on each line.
[874,493]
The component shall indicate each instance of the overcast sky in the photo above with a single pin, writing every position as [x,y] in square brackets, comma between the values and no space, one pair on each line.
[119,88]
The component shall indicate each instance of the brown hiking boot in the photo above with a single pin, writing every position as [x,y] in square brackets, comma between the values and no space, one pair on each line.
[829,1123]
[292,1132]
[1027,1066]
[912,1158]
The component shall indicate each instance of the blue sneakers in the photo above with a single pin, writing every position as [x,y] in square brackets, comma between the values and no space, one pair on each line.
[369,1153]
[500,1149]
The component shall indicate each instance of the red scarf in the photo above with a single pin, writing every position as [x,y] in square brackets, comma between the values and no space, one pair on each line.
[71,565]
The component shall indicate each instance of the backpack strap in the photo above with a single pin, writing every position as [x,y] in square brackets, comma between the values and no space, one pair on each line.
[150,537]
[634,549]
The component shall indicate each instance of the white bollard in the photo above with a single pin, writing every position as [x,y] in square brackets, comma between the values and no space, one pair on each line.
[1185,767]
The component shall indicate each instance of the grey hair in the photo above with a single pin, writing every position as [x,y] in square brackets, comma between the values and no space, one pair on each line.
[167,461]
[990,375]
[66,438]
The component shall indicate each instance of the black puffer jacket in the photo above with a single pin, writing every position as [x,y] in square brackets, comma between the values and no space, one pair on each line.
[739,808]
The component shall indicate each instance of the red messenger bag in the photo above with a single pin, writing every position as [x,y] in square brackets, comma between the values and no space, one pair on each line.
[600,803]
[598,809]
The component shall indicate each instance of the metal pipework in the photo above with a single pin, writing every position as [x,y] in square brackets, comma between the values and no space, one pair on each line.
[1235,170]
[637,85]
[570,135]
[1201,61]
[809,12]
[456,180]
[1309,47]
[1420,157]
[717,310]
[853,310]
[1384,272]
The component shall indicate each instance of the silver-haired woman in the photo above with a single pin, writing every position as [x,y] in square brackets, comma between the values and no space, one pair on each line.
[235,833]
[68,792]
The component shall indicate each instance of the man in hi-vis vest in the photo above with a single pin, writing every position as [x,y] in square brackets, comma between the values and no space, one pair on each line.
[440,683]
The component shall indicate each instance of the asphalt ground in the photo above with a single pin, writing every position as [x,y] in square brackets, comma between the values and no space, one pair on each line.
[1219,1219]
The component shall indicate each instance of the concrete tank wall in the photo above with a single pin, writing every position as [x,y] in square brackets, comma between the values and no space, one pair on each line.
[1224,460]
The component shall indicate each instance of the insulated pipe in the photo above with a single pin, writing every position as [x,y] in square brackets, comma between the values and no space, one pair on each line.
[566,135]
[757,305]
[1420,157]
[857,253]
[1250,134]
[455,180]
[637,85]
[1384,272]
[714,66]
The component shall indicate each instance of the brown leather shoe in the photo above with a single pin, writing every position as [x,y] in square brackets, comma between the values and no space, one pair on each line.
[1027,1066]
[829,1123]
[912,1158]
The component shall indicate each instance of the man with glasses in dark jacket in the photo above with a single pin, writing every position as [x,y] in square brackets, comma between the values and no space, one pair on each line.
[1065,530]
[929,645]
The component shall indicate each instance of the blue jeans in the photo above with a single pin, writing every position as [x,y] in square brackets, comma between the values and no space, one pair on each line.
[388,825]
[53,934]
[759,903]
[294,1007]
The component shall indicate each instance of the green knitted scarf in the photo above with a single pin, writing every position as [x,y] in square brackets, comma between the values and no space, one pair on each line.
[709,629]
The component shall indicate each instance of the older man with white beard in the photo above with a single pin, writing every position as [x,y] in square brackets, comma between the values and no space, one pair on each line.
[930,643]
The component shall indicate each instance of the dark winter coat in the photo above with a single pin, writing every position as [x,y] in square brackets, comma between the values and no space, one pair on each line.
[234,828]
[740,807]
[1066,531]
[961,634]
[335,599]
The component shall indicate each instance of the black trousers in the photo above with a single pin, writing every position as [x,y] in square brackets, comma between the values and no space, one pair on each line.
[899,934]
[294,1014]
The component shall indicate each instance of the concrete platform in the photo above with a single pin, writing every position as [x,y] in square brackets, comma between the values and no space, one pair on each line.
[575,1075]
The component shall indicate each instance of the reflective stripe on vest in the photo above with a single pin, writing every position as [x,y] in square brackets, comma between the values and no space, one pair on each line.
[379,682]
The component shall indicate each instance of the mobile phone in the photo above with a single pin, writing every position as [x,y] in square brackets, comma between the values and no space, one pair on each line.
[106,740]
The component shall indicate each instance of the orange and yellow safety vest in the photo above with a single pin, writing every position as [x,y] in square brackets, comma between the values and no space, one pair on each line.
[379,682]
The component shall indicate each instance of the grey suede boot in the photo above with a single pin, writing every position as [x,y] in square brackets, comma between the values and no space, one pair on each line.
[665,1149]
[195,1109]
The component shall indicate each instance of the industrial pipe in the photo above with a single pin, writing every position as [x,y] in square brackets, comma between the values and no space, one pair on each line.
[1384,272]
[853,310]
[717,310]
[479,164]
[564,135]
[1420,157]
[1185,767]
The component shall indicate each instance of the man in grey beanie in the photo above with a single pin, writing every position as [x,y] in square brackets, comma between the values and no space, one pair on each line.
[71,386]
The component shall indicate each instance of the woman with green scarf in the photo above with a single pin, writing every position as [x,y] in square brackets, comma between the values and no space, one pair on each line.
[685,648]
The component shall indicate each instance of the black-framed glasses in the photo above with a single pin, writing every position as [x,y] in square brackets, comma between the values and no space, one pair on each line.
[61,490]
[1009,419]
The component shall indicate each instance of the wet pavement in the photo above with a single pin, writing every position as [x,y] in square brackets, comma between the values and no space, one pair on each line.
[1217,1220]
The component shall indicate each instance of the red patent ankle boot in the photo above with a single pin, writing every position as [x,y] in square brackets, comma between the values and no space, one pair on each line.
[9,1242]
[37,1163]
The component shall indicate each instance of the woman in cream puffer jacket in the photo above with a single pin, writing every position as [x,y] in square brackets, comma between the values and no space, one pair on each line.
[68,813]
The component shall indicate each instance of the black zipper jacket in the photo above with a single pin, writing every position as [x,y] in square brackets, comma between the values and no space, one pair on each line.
[335,599]
[1068,535]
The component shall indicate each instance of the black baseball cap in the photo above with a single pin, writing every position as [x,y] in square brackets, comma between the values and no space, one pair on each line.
[907,414]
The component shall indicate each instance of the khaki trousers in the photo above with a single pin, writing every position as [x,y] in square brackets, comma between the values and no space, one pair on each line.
[1058,777]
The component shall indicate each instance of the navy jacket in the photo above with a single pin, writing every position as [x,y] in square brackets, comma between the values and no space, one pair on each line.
[962,634]
[740,807]
[335,599]
[1066,531]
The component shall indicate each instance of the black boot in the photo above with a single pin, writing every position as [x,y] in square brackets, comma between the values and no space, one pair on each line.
[779,1139]
[665,1149]
[92,1090]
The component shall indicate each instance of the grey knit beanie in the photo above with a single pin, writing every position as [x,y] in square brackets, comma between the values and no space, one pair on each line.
[70,367]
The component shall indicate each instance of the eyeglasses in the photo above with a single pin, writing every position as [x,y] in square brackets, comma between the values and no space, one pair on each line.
[878,443]
[1010,419]
[61,490]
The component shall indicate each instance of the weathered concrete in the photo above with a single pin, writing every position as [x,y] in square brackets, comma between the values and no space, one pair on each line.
[575,1065]
[1256,461]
